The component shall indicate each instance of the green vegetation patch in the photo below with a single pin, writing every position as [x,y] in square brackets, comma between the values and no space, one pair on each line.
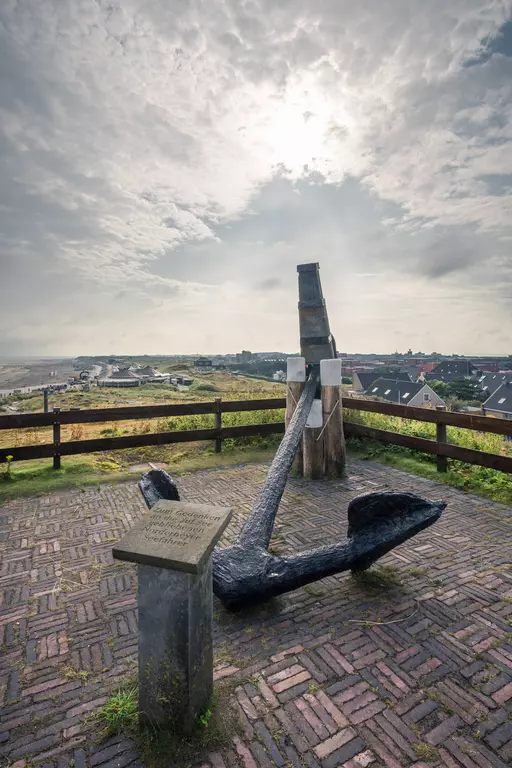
[482,481]
[378,578]
[166,747]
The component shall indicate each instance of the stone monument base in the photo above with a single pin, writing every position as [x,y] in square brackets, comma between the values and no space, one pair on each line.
[175,646]
[172,546]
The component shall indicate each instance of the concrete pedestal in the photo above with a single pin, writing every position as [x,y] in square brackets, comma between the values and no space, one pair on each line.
[175,646]
[172,546]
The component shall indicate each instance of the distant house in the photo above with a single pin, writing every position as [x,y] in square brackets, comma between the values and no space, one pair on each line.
[203,364]
[123,373]
[405,393]
[123,377]
[362,382]
[448,370]
[489,382]
[147,372]
[500,402]
[413,371]
[181,380]
[244,356]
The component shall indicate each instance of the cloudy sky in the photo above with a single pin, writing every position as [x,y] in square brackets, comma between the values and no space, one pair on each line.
[166,164]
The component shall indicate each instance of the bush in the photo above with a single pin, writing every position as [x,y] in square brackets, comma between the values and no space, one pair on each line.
[206,388]
[481,480]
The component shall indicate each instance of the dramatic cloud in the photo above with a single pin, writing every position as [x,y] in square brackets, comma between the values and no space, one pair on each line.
[164,165]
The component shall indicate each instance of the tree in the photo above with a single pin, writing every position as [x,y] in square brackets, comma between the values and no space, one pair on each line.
[466,389]
[439,387]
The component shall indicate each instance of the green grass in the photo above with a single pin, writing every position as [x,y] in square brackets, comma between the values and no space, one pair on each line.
[32,478]
[425,752]
[482,481]
[166,747]
[378,578]
[120,713]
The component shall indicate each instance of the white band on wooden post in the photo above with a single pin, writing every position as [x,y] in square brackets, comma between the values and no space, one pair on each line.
[295,382]
[332,433]
[315,420]
[296,369]
[330,373]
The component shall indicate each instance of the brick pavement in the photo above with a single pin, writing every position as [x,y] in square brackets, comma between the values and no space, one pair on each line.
[334,674]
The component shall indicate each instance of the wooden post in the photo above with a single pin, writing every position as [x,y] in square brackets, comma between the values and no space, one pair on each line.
[335,454]
[313,443]
[218,424]
[56,438]
[295,380]
[442,461]
[45,400]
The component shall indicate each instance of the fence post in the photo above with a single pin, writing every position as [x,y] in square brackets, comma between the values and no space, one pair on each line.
[442,461]
[45,400]
[334,439]
[218,424]
[313,444]
[56,438]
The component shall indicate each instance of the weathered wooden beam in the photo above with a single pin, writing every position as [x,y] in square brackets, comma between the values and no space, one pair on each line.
[313,443]
[335,452]
[24,420]
[468,455]
[464,420]
[134,441]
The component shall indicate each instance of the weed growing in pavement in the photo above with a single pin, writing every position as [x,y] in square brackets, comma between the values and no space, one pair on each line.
[166,747]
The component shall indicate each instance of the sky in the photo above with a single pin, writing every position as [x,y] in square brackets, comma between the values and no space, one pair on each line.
[166,164]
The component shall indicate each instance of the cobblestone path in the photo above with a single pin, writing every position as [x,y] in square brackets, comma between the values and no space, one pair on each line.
[339,673]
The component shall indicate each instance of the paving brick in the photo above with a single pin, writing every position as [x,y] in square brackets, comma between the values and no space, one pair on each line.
[361,715]
[441,732]
[333,743]
[290,682]
[305,666]
[417,713]
[274,753]
[503,694]
[321,713]
[244,753]
[387,757]
[338,717]
[284,674]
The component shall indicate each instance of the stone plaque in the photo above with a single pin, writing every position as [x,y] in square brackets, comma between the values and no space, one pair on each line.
[174,535]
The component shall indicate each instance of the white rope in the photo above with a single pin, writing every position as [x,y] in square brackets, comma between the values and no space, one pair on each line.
[327,420]
[291,395]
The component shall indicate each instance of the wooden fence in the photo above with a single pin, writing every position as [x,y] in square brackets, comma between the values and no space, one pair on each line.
[439,447]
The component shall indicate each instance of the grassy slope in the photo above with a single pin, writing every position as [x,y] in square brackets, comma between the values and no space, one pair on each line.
[480,480]
[39,477]
[34,477]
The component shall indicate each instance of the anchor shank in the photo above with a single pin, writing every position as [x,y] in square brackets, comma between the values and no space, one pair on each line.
[258,528]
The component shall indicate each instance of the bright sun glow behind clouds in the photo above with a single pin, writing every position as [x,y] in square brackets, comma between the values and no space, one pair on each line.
[153,152]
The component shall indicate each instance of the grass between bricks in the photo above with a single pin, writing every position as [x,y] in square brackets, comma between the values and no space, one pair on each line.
[379,577]
[167,748]
[426,752]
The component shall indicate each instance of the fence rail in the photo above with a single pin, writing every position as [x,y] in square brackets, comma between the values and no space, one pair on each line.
[134,412]
[439,447]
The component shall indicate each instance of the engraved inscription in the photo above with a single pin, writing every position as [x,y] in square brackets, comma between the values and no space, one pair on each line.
[174,535]
[178,530]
